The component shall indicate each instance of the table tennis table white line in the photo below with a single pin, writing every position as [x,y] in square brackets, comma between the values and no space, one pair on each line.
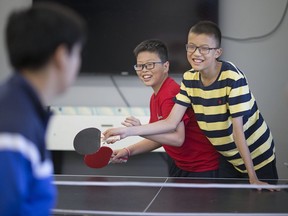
[157,177]
[91,212]
[120,176]
[179,185]
[154,197]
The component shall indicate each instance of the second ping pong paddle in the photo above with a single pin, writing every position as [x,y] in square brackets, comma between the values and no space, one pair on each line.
[100,158]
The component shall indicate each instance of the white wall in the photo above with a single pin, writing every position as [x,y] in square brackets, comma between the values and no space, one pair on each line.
[264,61]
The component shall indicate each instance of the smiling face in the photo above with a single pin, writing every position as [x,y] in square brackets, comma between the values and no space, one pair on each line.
[203,62]
[153,77]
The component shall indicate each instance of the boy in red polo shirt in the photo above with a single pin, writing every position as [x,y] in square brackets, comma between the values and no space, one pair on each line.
[192,153]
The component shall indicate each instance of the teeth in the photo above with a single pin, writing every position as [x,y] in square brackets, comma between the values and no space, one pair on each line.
[146,77]
[198,60]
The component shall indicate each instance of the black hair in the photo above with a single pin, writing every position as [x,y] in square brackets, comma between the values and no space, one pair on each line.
[33,34]
[208,28]
[155,46]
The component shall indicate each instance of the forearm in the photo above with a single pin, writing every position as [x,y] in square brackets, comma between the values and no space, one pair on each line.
[174,138]
[143,146]
[240,140]
[164,126]
[246,156]
[167,139]
[243,149]
[158,127]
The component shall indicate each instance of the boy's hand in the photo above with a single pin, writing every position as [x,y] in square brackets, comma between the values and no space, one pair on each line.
[258,182]
[121,131]
[131,121]
[118,155]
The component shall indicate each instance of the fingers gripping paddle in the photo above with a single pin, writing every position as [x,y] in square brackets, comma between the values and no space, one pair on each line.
[87,141]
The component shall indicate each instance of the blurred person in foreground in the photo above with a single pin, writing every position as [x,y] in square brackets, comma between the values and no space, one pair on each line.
[44,44]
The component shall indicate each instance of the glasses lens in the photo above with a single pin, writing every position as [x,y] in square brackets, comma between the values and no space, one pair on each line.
[204,50]
[138,67]
[150,65]
[190,48]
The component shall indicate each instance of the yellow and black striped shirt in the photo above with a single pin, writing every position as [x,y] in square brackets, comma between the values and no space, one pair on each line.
[215,106]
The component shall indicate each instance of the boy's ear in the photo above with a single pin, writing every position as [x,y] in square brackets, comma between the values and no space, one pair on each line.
[218,53]
[60,56]
[166,66]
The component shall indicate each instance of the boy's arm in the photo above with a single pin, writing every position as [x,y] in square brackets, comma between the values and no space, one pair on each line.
[167,125]
[140,147]
[173,138]
[240,141]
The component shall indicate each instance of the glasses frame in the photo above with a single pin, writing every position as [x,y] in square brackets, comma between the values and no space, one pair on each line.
[200,49]
[145,66]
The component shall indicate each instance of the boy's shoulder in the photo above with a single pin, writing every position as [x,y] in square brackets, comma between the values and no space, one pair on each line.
[231,71]
[227,65]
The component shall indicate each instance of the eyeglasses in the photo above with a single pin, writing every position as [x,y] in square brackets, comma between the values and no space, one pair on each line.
[202,49]
[148,66]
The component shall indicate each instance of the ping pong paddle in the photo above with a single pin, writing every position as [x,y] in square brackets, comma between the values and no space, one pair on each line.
[100,158]
[88,140]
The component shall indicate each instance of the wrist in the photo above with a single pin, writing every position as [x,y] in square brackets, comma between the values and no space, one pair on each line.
[128,151]
[253,178]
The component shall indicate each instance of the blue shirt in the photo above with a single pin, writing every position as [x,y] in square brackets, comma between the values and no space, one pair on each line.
[26,180]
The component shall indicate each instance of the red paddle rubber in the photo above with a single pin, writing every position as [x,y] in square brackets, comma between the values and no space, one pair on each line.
[100,158]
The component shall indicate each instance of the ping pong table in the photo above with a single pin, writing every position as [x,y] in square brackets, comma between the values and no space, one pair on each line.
[133,195]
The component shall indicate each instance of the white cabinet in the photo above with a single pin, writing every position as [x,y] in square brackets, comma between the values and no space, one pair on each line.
[68,121]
